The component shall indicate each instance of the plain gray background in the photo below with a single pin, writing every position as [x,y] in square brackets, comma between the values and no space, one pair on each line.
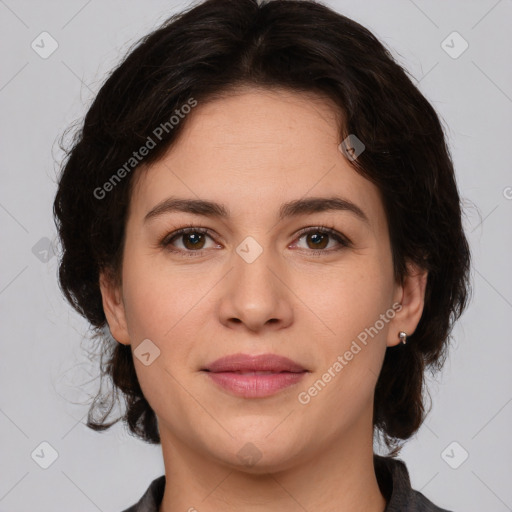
[44,371]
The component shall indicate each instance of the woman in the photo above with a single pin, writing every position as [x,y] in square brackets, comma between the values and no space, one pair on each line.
[261,221]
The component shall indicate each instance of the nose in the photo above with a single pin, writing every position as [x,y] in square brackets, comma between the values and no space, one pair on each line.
[255,296]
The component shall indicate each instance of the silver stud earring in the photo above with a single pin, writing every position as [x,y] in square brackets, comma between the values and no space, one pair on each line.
[403,337]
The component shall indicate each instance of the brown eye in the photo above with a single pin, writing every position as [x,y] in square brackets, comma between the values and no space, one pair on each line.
[186,240]
[318,239]
[193,240]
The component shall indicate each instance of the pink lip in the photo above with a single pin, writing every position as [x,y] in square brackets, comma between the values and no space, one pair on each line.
[254,376]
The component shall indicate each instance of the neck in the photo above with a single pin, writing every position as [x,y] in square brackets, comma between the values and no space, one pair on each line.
[341,478]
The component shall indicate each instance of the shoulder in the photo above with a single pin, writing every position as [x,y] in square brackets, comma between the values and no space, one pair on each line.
[152,498]
[395,484]
[419,503]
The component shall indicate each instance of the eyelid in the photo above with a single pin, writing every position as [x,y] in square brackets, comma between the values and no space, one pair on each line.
[342,239]
[328,230]
[166,240]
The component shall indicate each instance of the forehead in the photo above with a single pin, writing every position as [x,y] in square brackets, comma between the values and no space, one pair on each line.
[253,147]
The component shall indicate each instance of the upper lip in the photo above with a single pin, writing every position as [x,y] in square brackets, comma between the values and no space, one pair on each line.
[248,363]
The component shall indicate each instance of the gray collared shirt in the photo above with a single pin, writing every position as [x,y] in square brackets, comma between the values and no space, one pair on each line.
[392,476]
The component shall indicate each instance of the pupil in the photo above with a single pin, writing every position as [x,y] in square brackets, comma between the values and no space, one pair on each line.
[193,239]
[318,239]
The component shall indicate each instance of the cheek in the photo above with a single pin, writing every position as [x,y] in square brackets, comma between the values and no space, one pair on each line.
[353,344]
[167,305]
[159,307]
[158,295]
[348,298]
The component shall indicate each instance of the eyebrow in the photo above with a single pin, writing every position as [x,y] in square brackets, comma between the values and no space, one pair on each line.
[289,209]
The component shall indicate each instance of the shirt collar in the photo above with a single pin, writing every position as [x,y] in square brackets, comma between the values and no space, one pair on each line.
[392,477]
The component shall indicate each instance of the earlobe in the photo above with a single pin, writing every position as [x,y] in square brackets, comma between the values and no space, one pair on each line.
[411,296]
[114,308]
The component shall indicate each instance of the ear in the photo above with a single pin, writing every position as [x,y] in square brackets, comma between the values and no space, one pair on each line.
[411,296]
[113,307]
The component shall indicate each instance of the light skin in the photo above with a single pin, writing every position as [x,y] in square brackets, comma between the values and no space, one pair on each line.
[252,151]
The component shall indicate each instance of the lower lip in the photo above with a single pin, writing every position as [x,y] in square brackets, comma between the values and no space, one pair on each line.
[254,385]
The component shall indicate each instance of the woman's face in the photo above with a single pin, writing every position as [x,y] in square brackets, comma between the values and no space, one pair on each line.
[263,278]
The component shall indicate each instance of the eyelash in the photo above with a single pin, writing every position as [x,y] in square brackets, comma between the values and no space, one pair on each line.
[325,230]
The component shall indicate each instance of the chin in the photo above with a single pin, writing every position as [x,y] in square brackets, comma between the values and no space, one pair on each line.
[258,454]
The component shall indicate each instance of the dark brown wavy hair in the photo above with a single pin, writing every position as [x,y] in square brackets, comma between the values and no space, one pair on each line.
[203,53]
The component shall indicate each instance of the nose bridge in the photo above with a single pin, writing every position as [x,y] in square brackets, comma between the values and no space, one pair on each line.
[253,280]
[252,270]
[253,295]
